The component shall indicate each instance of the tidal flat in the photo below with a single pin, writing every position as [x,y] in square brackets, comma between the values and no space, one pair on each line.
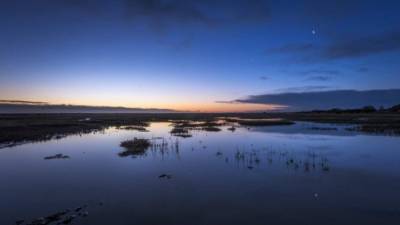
[305,173]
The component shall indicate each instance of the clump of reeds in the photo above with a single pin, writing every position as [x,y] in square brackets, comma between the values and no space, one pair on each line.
[212,129]
[232,128]
[137,146]
[138,128]
[180,132]
[264,122]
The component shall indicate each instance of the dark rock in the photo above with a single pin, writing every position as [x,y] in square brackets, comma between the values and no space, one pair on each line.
[165,176]
[57,156]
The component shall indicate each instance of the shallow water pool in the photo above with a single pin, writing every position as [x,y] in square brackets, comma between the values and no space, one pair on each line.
[281,175]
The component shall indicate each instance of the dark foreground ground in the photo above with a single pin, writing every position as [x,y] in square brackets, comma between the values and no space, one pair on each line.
[20,128]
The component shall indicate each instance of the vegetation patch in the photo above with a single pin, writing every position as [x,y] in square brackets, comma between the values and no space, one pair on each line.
[181,128]
[180,132]
[196,124]
[264,122]
[389,129]
[183,135]
[211,129]
[138,128]
[137,146]
[232,128]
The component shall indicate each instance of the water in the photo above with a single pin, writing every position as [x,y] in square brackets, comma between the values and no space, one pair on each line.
[274,175]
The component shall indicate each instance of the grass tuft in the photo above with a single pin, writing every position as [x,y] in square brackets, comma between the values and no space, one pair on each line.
[137,146]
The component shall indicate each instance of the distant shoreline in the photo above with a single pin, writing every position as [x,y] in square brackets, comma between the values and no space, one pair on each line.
[16,107]
[21,128]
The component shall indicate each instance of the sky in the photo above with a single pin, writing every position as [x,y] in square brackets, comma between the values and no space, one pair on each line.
[204,55]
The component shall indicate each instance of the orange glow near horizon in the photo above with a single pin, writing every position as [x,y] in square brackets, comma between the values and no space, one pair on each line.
[225,107]
[106,97]
[100,94]
[208,107]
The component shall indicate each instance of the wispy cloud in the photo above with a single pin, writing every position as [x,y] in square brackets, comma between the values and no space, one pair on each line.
[303,88]
[385,42]
[319,78]
[353,48]
[321,75]
[320,72]
[228,102]
[293,48]
[184,11]
[161,14]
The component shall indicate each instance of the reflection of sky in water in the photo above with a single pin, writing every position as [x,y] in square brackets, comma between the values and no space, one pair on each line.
[210,184]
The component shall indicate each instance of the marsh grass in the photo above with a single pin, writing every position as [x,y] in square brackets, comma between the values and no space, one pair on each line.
[180,132]
[390,129]
[307,162]
[181,128]
[196,124]
[232,128]
[137,146]
[264,122]
[211,129]
[183,135]
[137,128]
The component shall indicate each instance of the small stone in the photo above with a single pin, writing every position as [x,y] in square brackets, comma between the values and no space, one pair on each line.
[165,176]
[57,156]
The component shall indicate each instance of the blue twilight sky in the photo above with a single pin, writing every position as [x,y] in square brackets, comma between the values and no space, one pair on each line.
[194,55]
